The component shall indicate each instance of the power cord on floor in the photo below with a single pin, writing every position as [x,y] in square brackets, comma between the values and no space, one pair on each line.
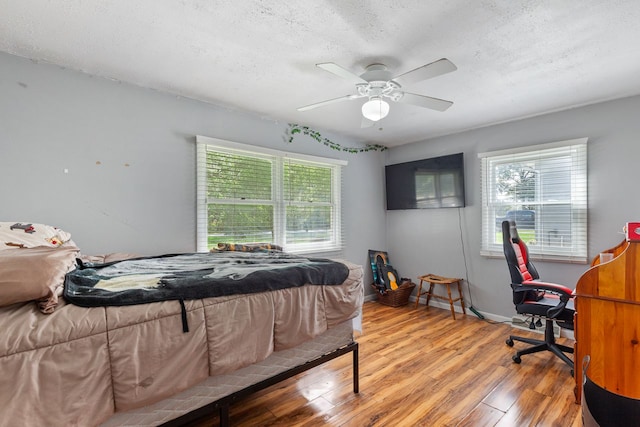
[466,272]
[466,269]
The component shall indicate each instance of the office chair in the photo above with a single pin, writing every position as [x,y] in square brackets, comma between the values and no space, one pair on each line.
[534,298]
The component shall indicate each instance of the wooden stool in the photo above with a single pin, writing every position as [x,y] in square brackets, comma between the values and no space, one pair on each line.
[433,279]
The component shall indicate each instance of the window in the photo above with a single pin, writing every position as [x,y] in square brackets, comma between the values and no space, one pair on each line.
[543,189]
[250,194]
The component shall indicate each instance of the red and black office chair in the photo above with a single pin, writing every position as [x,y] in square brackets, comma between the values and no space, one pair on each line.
[537,299]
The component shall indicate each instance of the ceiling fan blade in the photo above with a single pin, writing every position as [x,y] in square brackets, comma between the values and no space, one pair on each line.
[425,101]
[434,69]
[340,72]
[328,101]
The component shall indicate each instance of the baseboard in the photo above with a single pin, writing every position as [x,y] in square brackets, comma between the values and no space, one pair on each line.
[517,321]
[371,297]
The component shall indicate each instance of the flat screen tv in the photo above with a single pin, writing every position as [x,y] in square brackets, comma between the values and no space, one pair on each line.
[437,182]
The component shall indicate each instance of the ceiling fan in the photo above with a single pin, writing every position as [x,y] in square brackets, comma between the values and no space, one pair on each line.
[378,85]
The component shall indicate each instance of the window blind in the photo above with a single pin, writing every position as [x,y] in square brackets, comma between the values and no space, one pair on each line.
[543,189]
[262,195]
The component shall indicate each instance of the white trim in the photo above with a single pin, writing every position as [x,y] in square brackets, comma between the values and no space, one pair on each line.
[566,259]
[253,149]
[528,148]
[201,200]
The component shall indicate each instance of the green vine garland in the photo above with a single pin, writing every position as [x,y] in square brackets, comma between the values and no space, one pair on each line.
[295,129]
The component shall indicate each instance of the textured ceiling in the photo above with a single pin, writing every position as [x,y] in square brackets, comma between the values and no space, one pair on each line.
[515,58]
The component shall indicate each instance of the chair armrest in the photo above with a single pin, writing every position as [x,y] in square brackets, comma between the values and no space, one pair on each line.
[561,290]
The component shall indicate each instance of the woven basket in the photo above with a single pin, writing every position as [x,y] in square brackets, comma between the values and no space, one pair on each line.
[396,298]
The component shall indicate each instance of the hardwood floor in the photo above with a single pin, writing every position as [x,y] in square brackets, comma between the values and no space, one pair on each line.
[420,367]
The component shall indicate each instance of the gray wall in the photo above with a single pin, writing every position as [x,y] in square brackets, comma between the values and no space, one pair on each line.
[130,156]
[130,186]
[447,241]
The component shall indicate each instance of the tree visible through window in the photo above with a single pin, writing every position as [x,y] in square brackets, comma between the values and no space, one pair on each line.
[308,196]
[240,191]
[265,196]
[544,190]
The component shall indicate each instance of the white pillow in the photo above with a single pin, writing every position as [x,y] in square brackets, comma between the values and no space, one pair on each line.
[27,235]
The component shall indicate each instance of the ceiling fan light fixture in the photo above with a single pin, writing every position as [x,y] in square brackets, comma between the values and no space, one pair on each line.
[375,109]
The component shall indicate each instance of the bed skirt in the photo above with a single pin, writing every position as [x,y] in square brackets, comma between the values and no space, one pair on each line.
[215,388]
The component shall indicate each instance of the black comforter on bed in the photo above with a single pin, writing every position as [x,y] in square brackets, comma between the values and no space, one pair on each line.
[195,276]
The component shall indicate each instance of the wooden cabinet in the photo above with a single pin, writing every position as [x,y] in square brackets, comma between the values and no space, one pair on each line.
[607,322]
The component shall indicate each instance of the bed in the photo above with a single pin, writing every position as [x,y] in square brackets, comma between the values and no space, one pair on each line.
[168,361]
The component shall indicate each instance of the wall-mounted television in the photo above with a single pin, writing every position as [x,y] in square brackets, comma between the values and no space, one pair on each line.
[437,182]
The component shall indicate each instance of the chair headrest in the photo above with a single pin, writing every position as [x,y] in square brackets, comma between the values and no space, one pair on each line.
[509,231]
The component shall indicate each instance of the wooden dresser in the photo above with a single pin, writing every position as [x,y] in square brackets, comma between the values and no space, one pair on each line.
[607,322]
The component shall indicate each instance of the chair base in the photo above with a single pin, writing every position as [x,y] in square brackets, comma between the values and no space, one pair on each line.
[548,344]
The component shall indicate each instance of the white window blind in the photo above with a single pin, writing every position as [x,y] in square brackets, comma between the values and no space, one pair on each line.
[250,194]
[543,188]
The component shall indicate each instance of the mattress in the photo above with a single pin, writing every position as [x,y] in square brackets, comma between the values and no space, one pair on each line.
[217,387]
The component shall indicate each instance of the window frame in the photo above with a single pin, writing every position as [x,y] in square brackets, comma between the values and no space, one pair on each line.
[576,252]
[279,159]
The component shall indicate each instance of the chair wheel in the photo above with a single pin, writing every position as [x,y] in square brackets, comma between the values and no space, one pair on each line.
[509,342]
[516,359]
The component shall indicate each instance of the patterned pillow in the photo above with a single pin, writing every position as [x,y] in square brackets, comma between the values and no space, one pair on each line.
[27,235]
